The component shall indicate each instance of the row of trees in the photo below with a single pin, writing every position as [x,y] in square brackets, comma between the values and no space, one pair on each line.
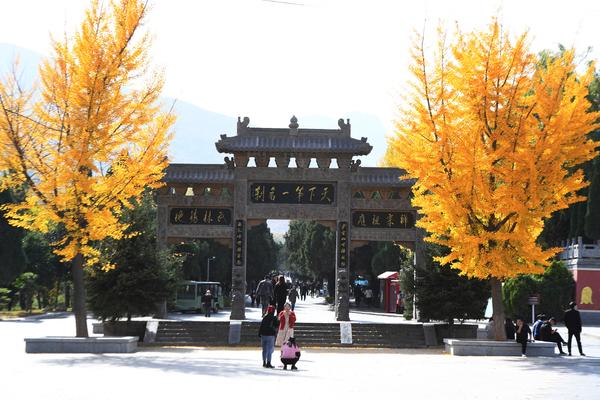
[143,275]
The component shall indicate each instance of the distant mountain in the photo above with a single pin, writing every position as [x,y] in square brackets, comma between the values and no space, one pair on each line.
[28,62]
[197,130]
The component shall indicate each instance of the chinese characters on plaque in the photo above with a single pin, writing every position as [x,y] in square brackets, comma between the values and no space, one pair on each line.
[292,193]
[200,216]
[342,258]
[383,219]
[238,243]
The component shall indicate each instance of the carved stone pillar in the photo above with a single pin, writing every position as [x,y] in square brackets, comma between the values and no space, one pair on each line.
[342,263]
[342,257]
[239,245]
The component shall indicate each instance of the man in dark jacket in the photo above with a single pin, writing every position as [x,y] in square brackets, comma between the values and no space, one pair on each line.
[264,291]
[207,303]
[573,324]
[549,334]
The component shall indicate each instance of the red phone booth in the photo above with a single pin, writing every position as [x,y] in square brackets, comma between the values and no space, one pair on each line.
[390,290]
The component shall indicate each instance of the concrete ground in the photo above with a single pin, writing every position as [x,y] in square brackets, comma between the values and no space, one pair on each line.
[174,373]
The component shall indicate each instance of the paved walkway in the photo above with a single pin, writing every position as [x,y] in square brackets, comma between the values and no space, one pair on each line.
[173,373]
[313,309]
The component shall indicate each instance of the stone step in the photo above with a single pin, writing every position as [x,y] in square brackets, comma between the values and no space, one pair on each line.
[204,333]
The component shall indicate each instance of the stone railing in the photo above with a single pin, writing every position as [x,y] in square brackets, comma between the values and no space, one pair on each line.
[577,249]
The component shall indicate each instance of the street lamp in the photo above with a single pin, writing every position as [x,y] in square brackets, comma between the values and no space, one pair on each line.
[208,268]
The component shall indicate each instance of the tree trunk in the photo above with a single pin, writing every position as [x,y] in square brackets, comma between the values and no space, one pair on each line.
[498,309]
[79,306]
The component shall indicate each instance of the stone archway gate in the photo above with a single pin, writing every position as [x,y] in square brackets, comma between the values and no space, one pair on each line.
[221,201]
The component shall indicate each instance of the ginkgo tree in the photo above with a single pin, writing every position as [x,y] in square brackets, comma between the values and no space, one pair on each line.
[494,140]
[86,144]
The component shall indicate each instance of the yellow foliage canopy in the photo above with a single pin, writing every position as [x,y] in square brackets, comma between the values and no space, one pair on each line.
[494,140]
[93,138]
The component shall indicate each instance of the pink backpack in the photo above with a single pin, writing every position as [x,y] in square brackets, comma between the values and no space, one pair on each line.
[288,351]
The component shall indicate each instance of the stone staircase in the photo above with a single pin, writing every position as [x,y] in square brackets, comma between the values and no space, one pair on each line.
[204,333]
[192,333]
[317,335]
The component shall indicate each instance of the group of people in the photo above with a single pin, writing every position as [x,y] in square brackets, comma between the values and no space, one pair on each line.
[274,290]
[544,330]
[278,329]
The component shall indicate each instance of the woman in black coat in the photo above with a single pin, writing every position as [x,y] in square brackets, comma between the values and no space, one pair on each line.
[280,293]
[267,330]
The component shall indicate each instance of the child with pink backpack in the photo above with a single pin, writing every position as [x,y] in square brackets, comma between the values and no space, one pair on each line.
[290,353]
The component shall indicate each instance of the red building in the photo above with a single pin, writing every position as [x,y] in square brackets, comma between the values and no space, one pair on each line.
[584,262]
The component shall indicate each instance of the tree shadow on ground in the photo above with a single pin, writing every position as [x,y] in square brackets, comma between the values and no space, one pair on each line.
[203,364]
[566,365]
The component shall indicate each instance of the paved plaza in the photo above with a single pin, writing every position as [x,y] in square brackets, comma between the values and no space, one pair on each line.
[173,373]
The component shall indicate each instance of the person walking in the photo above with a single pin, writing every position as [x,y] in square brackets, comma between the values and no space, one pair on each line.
[290,354]
[303,291]
[264,291]
[207,303]
[274,281]
[573,323]
[549,334]
[368,296]
[253,297]
[357,295]
[266,332]
[523,333]
[293,296]
[280,292]
[509,328]
[287,321]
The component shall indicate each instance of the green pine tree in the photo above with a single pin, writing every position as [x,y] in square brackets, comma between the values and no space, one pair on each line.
[143,276]
[12,257]
[592,215]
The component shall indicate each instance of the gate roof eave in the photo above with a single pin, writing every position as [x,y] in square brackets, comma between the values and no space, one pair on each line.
[303,143]
[198,173]
[381,177]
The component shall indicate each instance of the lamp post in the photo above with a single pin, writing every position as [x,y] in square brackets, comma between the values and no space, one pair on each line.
[208,268]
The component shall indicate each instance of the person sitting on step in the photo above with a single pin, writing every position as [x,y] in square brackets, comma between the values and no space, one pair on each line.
[549,334]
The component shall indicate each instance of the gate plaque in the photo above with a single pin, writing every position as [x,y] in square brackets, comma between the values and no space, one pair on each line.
[383,219]
[292,193]
[200,216]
